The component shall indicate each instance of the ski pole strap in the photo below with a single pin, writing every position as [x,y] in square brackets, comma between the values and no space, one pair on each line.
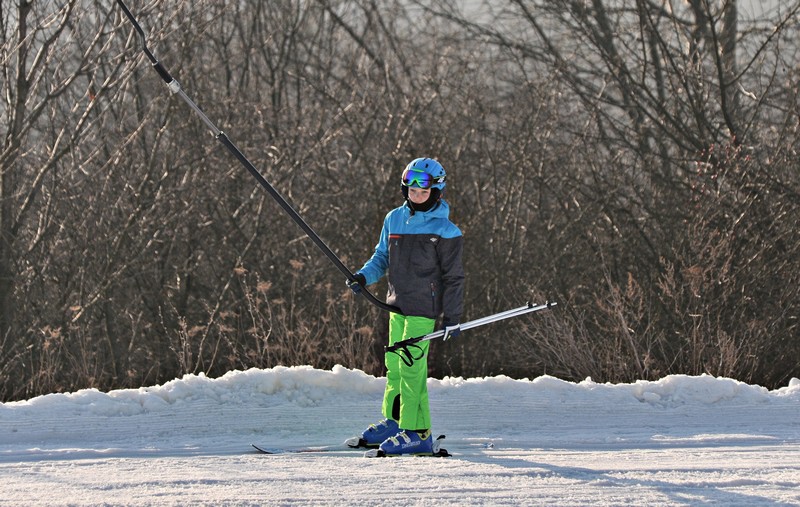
[405,351]
[516,312]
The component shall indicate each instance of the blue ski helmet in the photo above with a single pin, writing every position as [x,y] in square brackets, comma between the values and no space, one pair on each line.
[424,173]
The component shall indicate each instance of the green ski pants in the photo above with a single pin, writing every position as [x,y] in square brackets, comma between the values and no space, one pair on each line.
[406,397]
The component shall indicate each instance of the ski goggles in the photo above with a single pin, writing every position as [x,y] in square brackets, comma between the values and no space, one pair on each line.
[421,179]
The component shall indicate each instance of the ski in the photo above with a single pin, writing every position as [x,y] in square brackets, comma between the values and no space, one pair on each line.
[300,450]
[438,451]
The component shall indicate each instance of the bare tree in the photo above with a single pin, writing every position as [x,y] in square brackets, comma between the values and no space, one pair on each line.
[634,160]
[656,97]
[53,88]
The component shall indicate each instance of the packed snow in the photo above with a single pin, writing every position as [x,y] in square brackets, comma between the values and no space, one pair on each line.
[678,441]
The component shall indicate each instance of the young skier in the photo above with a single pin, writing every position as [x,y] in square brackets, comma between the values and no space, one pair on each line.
[420,252]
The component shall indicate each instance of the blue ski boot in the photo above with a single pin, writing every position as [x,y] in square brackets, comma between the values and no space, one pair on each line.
[375,434]
[408,442]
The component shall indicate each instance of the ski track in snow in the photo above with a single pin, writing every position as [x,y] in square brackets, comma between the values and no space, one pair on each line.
[677,441]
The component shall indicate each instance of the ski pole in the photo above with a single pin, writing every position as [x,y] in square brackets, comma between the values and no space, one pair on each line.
[402,347]
[175,88]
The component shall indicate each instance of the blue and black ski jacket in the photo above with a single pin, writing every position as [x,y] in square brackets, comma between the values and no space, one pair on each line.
[420,253]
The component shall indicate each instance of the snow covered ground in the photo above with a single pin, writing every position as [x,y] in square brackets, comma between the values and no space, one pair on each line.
[678,441]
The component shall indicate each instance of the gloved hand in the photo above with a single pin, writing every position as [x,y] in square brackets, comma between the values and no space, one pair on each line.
[450,330]
[359,282]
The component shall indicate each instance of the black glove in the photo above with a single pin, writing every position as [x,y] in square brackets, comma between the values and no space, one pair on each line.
[451,330]
[358,282]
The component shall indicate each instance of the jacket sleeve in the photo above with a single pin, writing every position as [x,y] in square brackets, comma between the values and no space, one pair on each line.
[377,265]
[452,278]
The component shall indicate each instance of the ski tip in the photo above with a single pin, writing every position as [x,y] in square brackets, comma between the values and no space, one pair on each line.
[264,450]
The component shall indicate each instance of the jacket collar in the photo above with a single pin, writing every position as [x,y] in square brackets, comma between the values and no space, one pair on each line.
[441,210]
